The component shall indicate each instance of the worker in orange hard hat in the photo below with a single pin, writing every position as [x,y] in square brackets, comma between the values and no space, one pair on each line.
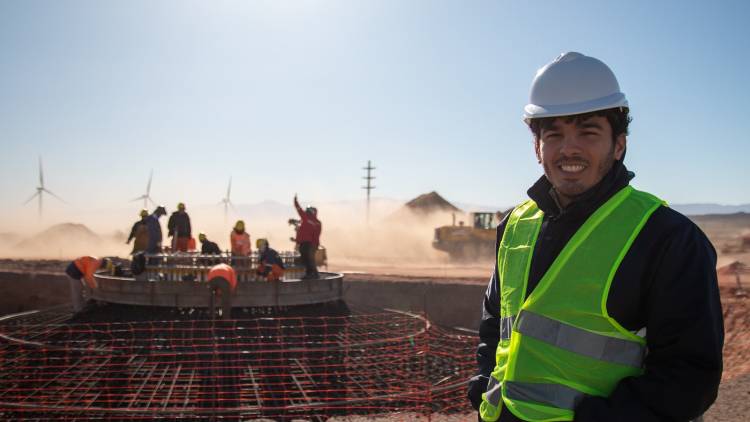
[81,270]
[240,240]
[270,264]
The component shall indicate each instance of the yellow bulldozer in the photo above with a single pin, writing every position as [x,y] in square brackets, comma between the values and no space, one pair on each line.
[468,243]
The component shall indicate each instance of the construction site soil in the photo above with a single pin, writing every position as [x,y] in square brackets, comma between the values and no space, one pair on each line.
[435,291]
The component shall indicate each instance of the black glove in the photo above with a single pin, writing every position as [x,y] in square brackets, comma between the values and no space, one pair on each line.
[477,387]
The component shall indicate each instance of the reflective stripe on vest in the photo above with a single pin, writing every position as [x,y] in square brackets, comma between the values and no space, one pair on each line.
[506,325]
[557,395]
[494,392]
[582,342]
[563,344]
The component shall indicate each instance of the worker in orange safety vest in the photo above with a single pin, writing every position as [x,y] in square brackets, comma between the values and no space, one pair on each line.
[222,280]
[240,241]
[82,270]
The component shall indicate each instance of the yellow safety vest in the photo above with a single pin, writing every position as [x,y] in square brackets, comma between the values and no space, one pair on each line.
[559,343]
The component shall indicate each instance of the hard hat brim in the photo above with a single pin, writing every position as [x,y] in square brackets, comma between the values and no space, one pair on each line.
[534,111]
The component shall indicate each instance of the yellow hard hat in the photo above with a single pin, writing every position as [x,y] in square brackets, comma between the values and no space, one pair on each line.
[144,213]
[202,236]
[259,243]
[239,225]
[106,264]
[181,206]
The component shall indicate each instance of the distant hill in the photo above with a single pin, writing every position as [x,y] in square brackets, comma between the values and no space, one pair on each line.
[706,208]
[62,237]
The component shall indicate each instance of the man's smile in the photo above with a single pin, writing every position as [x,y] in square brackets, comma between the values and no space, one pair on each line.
[572,168]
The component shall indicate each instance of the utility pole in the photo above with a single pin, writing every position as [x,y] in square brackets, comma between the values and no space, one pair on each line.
[369,186]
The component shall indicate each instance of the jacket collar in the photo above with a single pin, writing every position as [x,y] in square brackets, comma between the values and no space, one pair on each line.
[543,194]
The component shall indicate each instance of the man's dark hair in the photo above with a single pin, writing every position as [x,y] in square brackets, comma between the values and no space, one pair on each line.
[618,119]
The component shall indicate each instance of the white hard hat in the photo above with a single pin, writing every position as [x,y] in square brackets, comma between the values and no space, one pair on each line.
[573,84]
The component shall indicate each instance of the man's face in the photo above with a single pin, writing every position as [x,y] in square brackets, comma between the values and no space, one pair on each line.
[577,155]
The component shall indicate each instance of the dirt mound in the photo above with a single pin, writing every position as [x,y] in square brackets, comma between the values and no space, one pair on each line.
[60,234]
[733,268]
[429,203]
[64,241]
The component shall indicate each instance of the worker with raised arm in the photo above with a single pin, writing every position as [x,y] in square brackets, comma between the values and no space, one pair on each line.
[604,304]
[308,238]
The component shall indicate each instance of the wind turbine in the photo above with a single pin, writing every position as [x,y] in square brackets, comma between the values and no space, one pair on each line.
[41,189]
[226,201]
[146,196]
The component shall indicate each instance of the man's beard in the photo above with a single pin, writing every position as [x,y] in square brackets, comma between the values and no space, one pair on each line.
[573,190]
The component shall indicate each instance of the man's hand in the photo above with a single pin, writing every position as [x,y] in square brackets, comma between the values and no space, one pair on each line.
[477,386]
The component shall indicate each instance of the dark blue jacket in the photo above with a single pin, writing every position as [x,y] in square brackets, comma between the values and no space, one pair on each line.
[666,283]
[154,234]
[270,257]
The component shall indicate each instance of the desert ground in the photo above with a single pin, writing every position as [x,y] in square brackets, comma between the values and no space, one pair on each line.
[725,231]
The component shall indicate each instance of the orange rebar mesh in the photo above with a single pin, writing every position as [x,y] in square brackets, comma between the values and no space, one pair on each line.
[384,366]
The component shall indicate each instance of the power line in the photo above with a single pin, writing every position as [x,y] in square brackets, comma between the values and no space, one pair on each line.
[369,186]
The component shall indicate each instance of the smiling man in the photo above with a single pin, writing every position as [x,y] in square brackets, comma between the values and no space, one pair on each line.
[604,304]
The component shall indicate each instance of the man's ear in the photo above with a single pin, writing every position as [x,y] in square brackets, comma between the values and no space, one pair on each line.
[537,150]
[620,143]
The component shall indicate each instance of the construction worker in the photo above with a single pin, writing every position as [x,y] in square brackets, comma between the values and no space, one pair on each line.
[208,247]
[154,230]
[604,304]
[179,229]
[240,241]
[81,270]
[270,264]
[222,280]
[308,238]
[139,232]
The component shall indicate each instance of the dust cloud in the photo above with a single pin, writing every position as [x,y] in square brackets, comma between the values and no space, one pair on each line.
[395,235]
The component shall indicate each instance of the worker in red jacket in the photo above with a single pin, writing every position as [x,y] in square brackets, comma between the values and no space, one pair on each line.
[308,238]
[82,270]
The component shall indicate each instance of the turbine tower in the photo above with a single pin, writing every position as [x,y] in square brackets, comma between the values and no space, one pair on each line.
[226,201]
[40,190]
[146,196]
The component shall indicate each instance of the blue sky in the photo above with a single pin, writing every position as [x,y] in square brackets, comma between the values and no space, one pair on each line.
[296,96]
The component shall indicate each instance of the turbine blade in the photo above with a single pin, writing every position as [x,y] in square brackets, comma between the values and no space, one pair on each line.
[151,200]
[51,193]
[229,188]
[232,205]
[148,186]
[41,173]
[137,199]
[32,197]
